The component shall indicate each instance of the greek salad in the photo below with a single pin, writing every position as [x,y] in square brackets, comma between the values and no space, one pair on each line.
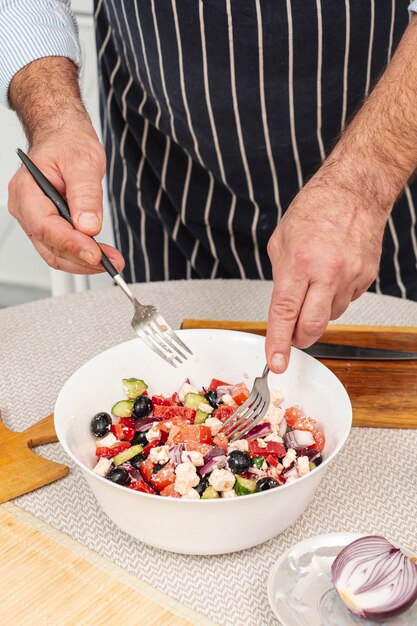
[174,445]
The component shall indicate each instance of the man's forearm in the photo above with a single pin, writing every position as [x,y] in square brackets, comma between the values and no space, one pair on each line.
[46,95]
[377,154]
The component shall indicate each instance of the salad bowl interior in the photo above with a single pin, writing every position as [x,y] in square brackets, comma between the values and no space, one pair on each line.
[192,526]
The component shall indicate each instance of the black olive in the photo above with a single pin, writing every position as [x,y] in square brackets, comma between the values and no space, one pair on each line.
[139,439]
[317,461]
[211,396]
[142,407]
[118,475]
[238,462]
[263,484]
[158,467]
[202,485]
[137,460]
[100,424]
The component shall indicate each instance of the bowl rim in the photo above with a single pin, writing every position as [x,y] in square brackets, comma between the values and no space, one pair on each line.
[211,501]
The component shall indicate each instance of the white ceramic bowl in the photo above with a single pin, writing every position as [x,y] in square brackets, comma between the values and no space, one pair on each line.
[200,526]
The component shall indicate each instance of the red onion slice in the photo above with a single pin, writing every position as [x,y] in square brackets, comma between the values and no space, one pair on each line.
[216,451]
[282,429]
[260,430]
[145,423]
[374,578]
[175,453]
[298,439]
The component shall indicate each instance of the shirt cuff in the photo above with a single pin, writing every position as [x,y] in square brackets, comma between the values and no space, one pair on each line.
[31,30]
[413,6]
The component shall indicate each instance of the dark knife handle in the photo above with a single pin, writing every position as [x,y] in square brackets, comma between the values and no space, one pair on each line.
[63,209]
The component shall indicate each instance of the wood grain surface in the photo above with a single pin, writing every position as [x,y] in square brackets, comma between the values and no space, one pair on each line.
[45,583]
[21,469]
[383,393]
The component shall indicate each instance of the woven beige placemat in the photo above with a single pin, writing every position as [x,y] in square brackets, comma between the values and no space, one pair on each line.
[371,487]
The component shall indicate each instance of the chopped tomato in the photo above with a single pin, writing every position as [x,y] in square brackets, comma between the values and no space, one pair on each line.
[151,445]
[194,432]
[240,393]
[224,412]
[127,422]
[164,401]
[146,469]
[109,453]
[272,447]
[140,485]
[163,478]
[215,383]
[166,425]
[173,432]
[292,414]
[304,423]
[170,491]
[320,440]
[203,448]
[124,429]
[168,412]
[221,441]
[272,460]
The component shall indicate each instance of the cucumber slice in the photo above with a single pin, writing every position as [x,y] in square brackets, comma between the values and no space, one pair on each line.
[193,400]
[125,455]
[244,486]
[312,466]
[200,417]
[123,408]
[209,493]
[134,387]
[257,461]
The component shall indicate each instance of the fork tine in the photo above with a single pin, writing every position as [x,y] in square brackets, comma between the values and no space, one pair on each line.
[165,338]
[253,422]
[167,328]
[246,418]
[146,338]
[240,409]
[153,336]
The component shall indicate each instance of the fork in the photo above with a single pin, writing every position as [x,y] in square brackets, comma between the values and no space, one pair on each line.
[147,321]
[250,413]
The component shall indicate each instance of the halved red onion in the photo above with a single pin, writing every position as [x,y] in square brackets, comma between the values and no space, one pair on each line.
[260,430]
[375,579]
[298,439]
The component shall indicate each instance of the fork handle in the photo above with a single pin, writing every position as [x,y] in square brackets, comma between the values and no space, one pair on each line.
[63,209]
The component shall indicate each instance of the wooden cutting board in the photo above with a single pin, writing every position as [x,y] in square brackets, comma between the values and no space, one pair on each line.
[383,393]
[21,470]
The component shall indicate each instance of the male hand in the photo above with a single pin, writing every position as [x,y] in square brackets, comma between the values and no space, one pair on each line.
[74,162]
[324,253]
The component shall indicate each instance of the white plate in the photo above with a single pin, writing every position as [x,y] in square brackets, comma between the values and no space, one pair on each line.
[301,593]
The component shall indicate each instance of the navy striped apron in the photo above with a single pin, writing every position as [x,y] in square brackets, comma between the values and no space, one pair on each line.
[214,114]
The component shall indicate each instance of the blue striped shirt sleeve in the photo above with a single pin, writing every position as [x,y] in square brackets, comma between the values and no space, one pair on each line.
[33,29]
[413,6]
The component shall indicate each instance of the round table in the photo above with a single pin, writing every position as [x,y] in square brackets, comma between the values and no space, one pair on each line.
[370,487]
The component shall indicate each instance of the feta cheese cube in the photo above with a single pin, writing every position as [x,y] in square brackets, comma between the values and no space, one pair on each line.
[274,437]
[153,434]
[222,479]
[192,494]
[107,441]
[214,424]
[231,493]
[240,444]
[289,457]
[194,457]
[302,465]
[160,454]
[185,389]
[228,400]
[186,477]
[102,466]
[206,408]
[261,443]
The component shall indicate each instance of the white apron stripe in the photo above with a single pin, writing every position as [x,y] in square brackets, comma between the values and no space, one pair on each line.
[113,155]
[413,219]
[98,8]
[319,69]
[181,216]
[263,109]
[161,70]
[140,205]
[371,44]
[207,218]
[215,137]
[241,142]
[291,95]
[158,202]
[345,66]
[104,44]
[148,74]
[391,30]
[395,257]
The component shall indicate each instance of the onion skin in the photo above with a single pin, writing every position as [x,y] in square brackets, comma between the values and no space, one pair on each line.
[370,565]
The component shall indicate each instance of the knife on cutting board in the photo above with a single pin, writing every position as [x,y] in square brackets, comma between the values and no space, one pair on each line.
[320,350]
